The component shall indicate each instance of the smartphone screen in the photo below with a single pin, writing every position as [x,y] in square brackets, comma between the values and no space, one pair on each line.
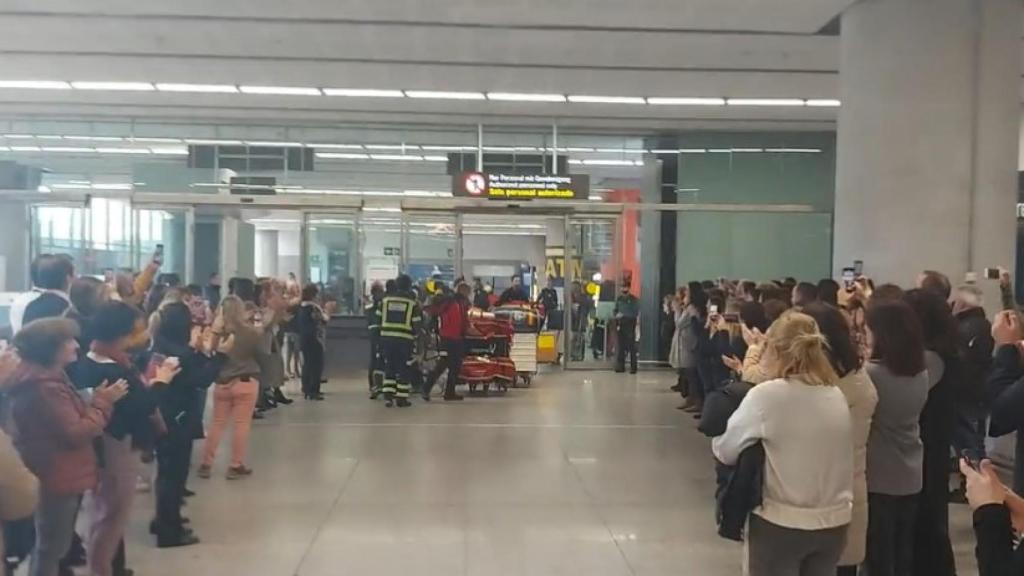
[713,309]
[992,273]
[158,255]
[849,275]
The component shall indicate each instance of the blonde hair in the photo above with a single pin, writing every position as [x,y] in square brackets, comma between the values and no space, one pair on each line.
[799,349]
[235,314]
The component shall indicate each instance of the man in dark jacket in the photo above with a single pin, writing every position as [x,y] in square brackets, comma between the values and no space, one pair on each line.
[1006,388]
[451,311]
[975,346]
[372,311]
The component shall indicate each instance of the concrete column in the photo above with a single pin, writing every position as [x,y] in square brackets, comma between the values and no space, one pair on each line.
[927,137]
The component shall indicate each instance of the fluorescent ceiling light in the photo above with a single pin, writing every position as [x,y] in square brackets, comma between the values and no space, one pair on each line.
[665,151]
[380,209]
[342,156]
[95,138]
[447,148]
[71,186]
[660,101]
[134,86]
[765,102]
[692,150]
[18,136]
[200,142]
[435,158]
[622,150]
[281,90]
[594,198]
[522,97]
[747,149]
[499,149]
[209,88]
[613,163]
[391,146]
[123,150]
[361,93]
[445,95]
[48,137]
[157,140]
[273,144]
[431,193]
[337,146]
[795,150]
[80,181]
[24,148]
[527,149]
[571,149]
[585,99]
[720,150]
[67,149]
[4,149]
[397,157]
[575,161]
[111,186]
[35,84]
[823,102]
[43,189]
[173,150]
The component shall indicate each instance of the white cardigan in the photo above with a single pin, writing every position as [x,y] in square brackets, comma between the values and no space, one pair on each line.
[806,434]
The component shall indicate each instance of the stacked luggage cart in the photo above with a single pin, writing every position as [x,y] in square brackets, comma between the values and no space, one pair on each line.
[487,363]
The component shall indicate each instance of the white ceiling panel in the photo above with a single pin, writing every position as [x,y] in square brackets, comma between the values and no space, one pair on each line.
[794,16]
[274,42]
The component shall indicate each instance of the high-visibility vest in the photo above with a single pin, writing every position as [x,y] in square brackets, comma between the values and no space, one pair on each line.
[372,312]
[399,316]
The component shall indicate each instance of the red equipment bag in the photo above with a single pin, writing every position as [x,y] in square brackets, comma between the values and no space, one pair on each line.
[477,369]
[505,369]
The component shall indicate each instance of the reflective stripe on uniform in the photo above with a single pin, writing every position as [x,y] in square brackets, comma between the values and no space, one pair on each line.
[403,335]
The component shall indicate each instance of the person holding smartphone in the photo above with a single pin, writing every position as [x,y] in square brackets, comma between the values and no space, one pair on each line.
[998,520]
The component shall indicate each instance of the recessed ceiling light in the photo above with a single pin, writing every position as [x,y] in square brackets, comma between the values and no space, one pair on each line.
[35,84]
[660,101]
[127,86]
[794,150]
[747,149]
[391,146]
[613,162]
[24,148]
[436,158]
[94,138]
[585,99]
[171,150]
[157,140]
[622,150]
[363,93]
[445,95]
[18,136]
[523,97]
[446,148]
[692,150]
[765,102]
[281,90]
[664,151]
[209,88]
[48,137]
[823,102]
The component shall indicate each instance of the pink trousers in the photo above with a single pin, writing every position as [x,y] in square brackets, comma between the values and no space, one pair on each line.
[108,507]
[234,402]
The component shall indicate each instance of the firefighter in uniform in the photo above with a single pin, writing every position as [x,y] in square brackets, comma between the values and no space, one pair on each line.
[400,319]
[372,311]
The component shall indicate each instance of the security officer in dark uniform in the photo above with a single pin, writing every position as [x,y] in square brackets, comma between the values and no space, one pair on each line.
[627,310]
[372,311]
[400,319]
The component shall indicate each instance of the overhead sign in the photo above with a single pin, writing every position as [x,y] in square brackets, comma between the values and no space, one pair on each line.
[521,186]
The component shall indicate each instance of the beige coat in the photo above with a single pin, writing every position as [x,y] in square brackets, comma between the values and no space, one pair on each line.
[862,397]
[19,489]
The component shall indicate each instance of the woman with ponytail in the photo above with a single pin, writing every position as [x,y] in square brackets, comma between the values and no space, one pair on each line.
[802,420]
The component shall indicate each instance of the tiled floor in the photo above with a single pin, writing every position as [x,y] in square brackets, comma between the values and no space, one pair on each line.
[586,473]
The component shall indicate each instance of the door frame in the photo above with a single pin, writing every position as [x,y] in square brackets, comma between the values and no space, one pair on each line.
[570,255]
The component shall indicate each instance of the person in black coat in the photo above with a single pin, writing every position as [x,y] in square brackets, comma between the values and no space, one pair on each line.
[997,511]
[1005,388]
[311,322]
[975,346]
[177,338]
[933,551]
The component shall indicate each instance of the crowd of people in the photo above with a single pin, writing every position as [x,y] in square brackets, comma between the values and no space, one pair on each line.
[104,376]
[839,415]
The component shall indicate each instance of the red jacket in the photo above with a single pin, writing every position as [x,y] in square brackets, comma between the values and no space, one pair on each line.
[53,429]
[451,312]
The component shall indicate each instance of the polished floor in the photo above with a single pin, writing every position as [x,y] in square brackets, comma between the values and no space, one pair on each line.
[585,473]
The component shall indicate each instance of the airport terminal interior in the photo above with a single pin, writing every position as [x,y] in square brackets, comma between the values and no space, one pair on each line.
[597,225]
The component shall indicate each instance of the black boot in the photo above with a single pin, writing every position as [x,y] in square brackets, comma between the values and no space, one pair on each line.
[280,398]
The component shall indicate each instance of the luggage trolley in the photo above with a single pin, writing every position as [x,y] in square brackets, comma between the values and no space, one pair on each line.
[525,322]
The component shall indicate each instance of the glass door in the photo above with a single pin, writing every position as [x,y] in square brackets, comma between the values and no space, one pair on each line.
[593,268]
[333,261]
[171,227]
[430,242]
